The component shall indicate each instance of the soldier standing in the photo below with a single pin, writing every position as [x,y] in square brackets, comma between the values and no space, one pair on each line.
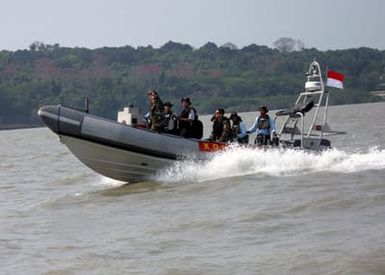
[156,112]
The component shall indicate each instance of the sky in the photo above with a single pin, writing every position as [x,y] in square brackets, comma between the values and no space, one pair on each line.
[326,24]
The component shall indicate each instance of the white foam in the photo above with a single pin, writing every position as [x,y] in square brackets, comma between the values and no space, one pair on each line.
[372,159]
[104,181]
[246,161]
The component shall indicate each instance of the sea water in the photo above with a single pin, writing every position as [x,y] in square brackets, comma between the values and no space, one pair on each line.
[245,211]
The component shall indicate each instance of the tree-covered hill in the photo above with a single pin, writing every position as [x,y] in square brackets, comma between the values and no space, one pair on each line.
[227,77]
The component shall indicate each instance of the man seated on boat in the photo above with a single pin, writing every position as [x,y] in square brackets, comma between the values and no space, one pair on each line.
[170,119]
[238,129]
[221,127]
[156,112]
[187,118]
[264,126]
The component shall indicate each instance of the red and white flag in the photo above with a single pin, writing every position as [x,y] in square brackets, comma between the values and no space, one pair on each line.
[335,80]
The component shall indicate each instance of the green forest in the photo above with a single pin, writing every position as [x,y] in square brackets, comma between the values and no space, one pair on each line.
[212,76]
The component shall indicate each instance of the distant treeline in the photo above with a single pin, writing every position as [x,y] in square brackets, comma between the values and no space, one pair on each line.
[227,77]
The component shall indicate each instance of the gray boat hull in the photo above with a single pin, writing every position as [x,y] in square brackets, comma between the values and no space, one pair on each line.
[117,150]
[113,162]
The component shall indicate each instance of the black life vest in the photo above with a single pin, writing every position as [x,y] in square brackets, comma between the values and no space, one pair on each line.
[185,113]
[263,122]
[194,128]
[218,128]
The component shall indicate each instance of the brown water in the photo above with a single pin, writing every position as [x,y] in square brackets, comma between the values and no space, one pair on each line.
[244,212]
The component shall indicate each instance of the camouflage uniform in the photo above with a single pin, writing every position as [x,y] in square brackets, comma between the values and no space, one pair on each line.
[221,130]
[235,130]
[157,115]
[226,134]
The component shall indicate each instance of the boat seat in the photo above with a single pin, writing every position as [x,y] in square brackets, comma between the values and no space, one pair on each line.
[300,107]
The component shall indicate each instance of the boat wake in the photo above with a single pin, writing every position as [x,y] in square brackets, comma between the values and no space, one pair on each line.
[274,162]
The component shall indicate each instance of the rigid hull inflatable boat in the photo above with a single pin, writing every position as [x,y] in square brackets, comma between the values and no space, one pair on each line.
[116,150]
[126,151]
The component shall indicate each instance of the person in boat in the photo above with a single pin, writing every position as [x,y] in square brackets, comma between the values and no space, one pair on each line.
[238,129]
[187,118]
[264,126]
[221,127]
[156,111]
[170,119]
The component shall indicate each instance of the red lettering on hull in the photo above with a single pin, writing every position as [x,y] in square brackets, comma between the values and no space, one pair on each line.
[209,146]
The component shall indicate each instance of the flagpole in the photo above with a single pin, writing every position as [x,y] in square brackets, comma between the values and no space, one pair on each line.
[326,103]
[326,74]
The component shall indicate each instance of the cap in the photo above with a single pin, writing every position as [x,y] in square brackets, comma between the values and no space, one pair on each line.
[187,99]
[168,103]
[263,108]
